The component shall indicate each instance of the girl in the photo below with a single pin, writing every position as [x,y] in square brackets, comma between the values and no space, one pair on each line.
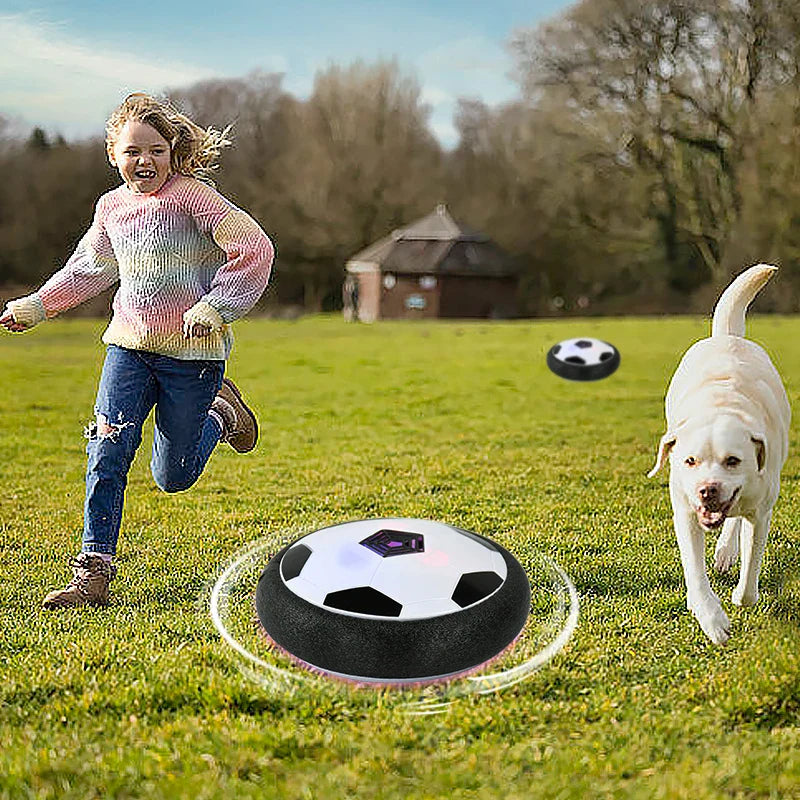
[188,263]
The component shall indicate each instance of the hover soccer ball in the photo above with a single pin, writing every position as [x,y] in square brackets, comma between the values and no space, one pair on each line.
[583,359]
[393,600]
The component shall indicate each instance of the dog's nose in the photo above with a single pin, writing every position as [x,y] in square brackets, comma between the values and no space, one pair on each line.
[709,492]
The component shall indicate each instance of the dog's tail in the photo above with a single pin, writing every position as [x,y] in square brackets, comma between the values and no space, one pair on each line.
[732,305]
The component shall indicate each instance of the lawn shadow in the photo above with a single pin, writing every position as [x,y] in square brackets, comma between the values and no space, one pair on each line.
[617,579]
[780,582]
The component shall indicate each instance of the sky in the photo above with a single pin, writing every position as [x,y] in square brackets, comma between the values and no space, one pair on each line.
[65,64]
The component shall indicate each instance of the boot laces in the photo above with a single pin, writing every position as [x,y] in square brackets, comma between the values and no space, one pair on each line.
[85,569]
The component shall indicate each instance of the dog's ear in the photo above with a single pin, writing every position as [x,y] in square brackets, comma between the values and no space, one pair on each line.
[665,445]
[760,441]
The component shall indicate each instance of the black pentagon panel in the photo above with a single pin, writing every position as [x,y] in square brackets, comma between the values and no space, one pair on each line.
[394,543]
[575,360]
[364,600]
[583,344]
[605,356]
[474,586]
[294,560]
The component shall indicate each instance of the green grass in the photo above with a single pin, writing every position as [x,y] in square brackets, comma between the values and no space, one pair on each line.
[459,422]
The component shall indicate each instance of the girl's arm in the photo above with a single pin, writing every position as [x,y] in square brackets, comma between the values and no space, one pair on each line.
[242,279]
[90,269]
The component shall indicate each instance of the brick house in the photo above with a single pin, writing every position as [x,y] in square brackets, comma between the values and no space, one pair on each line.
[435,267]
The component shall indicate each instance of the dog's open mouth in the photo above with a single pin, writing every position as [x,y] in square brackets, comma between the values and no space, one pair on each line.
[711,516]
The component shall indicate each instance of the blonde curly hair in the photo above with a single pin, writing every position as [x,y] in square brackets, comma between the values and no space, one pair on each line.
[194,151]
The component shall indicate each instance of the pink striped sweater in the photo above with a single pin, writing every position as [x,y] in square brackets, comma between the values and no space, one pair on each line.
[168,250]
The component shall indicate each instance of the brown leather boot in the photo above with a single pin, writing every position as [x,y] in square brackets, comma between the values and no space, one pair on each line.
[240,427]
[88,587]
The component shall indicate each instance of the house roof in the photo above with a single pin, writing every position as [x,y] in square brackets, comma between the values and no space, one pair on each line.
[436,244]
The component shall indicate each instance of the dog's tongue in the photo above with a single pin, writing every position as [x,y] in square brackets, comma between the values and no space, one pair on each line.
[710,518]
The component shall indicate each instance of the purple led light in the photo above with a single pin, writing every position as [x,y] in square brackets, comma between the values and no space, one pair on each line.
[394,543]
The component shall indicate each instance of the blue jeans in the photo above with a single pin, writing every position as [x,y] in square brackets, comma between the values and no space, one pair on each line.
[132,382]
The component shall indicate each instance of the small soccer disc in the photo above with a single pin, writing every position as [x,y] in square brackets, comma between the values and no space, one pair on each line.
[393,601]
[583,359]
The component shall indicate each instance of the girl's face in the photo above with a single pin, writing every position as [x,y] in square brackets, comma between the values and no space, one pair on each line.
[142,156]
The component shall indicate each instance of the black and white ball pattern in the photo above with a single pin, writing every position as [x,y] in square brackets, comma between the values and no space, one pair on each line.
[393,600]
[393,568]
[583,359]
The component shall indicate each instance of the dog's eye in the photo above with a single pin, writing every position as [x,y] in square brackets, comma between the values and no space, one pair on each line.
[691,461]
[732,461]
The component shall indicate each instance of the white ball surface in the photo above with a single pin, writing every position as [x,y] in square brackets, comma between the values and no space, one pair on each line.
[583,351]
[422,581]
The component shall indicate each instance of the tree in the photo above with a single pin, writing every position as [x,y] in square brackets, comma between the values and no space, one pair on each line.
[46,201]
[358,162]
[680,80]
[38,140]
[251,107]
[557,196]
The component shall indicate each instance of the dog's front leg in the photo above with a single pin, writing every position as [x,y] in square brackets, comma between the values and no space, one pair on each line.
[727,549]
[753,542]
[700,597]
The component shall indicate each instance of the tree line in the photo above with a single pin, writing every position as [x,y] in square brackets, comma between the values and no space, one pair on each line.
[653,151]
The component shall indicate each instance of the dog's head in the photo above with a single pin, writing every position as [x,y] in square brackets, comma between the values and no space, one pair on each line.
[713,462]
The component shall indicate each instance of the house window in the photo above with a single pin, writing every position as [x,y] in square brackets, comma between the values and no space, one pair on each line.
[415,301]
[427,282]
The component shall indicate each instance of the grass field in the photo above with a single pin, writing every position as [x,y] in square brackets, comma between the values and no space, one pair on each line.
[460,422]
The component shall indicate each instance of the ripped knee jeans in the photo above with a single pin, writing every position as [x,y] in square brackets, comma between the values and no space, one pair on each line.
[131,384]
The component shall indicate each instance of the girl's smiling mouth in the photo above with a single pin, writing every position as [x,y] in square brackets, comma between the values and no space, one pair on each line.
[142,156]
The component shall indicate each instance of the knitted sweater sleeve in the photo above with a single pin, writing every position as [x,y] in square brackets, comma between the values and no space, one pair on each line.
[90,269]
[242,279]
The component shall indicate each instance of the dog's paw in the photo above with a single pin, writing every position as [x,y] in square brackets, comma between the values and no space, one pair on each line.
[741,597]
[714,622]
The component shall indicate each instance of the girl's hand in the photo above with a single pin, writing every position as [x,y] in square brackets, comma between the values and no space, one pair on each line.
[201,320]
[9,323]
[195,329]
[23,313]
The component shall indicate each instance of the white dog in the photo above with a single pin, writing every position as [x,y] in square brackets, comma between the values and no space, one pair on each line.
[727,438]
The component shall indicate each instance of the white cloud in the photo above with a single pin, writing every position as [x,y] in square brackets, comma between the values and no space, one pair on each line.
[434,96]
[51,80]
[469,67]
